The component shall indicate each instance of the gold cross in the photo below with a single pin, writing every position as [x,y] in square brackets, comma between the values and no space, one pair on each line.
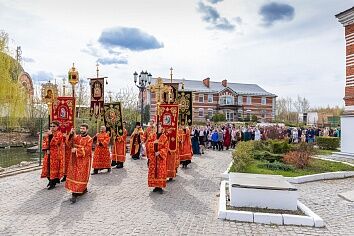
[159,89]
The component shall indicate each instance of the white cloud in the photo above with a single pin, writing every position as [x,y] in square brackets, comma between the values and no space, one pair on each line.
[304,56]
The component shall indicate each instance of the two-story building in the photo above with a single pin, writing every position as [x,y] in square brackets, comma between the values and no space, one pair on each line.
[237,101]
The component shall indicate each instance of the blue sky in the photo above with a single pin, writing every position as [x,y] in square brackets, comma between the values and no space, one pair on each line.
[290,48]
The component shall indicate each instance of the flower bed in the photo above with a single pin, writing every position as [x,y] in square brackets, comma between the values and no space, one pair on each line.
[290,161]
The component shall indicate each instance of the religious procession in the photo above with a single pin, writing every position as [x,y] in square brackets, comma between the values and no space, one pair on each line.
[71,155]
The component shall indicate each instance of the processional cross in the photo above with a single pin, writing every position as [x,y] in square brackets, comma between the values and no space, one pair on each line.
[159,89]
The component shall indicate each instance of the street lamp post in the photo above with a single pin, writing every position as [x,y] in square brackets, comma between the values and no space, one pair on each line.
[142,81]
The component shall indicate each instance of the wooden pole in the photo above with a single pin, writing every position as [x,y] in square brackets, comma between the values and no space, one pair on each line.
[74,105]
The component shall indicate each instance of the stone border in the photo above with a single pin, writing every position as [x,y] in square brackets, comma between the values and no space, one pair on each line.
[328,159]
[16,171]
[318,177]
[225,175]
[311,219]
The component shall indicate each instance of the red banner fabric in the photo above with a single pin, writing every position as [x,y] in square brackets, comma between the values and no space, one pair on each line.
[62,111]
[168,118]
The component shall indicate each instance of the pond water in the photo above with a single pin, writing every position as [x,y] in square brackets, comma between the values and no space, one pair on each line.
[13,156]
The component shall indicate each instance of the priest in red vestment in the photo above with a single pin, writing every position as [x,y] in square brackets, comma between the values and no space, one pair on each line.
[80,162]
[101,156]
[185,146]
[157,146]
[119,149]
[227,138]
[53,148]
[67,155]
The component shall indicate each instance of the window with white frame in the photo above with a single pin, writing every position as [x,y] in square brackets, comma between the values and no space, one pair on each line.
[210,113]
[226,100]
[210,98]
[264,100]
[201,98]
[201,112]
[229,115]
[249,100]
[240,100]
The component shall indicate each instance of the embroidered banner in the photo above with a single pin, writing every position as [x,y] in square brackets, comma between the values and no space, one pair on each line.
[97,96]
[168,118]
[113,119]
[170,97]
[62,111]
[186,108]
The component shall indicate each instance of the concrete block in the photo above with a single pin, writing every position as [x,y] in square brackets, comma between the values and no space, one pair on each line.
[264,198]
[225,175]
[318,221]
[349,196]
[349,174]
[244,216]
[221,215]
[267,218]
[298,220]
[222,201]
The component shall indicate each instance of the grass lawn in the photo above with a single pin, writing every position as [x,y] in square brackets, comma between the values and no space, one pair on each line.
[325,152]
[316,166]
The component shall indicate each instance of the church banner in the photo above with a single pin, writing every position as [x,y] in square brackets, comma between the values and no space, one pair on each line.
[62,111]
[168,118]
[97,96]
[185,100]
[113,117]
[171,97]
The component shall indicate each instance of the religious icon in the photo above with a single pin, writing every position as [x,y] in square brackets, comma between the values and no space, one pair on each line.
[49,95]
[166,120]
[63,113]
[112,116]
[97,90]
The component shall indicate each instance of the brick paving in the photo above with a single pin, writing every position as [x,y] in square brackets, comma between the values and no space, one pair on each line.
[120,203]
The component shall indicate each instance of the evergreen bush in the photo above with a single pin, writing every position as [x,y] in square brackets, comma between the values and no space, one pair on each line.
[328,143]
[243,155]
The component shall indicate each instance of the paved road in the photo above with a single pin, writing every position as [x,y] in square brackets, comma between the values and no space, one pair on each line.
[121,204]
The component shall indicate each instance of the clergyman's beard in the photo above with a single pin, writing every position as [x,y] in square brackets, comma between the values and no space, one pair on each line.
[83,133]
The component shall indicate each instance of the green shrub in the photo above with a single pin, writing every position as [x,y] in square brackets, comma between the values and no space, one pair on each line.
[279,146]
[268,156]
[276,166]
[328,143]
[243,155]
[304,147]
[261,145]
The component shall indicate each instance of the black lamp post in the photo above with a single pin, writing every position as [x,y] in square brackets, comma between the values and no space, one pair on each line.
[142,82]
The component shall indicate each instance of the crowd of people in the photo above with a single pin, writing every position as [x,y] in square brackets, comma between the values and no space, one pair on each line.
[220,137]
[70,157]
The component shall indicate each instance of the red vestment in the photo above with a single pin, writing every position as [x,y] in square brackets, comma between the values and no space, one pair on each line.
[185,145]
[79,165]
[102,156]
[67,154]
[157,165]
[149,130]
[53,169]
[120,147]
[227,138]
